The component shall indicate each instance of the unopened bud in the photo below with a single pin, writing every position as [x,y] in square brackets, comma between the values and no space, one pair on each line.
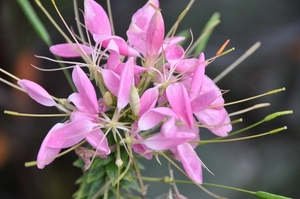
[134,100]
[119,162]
[266,195]
[107,99]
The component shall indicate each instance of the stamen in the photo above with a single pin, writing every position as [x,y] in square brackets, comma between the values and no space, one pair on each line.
[110,17]
[223,47]
[34,115]
[11,84]
[254,97]
[244,138]
[249,109]
[78,20]
[249,52]
[9,74]
[181,16]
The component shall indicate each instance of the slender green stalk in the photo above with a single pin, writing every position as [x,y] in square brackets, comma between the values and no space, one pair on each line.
[35,21]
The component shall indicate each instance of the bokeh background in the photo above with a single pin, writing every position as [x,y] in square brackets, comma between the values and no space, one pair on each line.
[270,163]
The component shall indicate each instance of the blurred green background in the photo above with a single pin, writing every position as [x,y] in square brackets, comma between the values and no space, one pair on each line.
[270,163]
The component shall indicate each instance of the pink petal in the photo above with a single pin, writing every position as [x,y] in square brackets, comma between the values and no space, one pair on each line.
[126,81]
[168,127]
[47,154]
[187,65]
[143,16]
[70,50]
[141,148]
[161,142]
[124,49]
[197,79]
[155,35]
[97,140]
[174,53]
[137,38]
[209,85]
[154,116]
[96,18]
[111,80]
[86,91]
[137,31]
[114,57]
[172,40]
[216,120]
[37,93]
[180,103]
[137,69]
[148,100]
[190,161]
[78,115]
[70,134]
[204,100]
[195,130]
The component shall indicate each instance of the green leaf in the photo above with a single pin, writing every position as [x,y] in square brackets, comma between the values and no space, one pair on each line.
[79,163]
[95,187]
[266,195]
[207,31]
[96,171]
[111,170]
[82,192]
[35,21]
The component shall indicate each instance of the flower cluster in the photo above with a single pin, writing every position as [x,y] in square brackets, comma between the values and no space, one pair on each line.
[153,98]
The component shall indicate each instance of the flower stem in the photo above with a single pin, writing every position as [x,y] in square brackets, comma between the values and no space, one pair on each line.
[198,185]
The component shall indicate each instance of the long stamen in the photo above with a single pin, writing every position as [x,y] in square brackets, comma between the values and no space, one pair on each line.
[244,138]
[249,52]
[34,115]
[9,74]
[11,84]
[181,16]
[78,20]
[80,51]
[254,97]
[249,109]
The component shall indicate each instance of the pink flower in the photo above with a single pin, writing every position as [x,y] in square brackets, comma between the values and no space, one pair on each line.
[47,154]
[146,32]
[169,137]
[87,110]
[83,124]
[37,93]
[207,105]
[98,24]
[138,29]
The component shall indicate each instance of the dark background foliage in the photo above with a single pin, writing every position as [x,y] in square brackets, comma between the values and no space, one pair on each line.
[270,163]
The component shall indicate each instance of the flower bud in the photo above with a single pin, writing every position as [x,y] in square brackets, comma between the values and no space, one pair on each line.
[119,162]
[107,99]
[134,100]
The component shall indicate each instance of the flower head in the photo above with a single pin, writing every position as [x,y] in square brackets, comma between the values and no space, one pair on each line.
[158,96]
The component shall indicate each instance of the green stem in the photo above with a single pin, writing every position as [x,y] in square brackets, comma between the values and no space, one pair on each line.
[150,179]
[183,172]
[230,188]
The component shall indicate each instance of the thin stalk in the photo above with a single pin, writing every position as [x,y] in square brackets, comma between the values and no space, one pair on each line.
[249,52]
